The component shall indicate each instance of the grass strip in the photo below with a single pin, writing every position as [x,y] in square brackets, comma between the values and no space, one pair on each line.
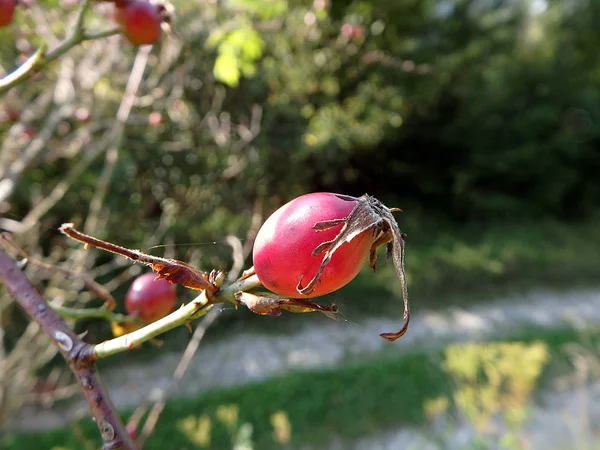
[347,402]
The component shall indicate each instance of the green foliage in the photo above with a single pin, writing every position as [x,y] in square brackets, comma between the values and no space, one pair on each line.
[465,111]
[238,52]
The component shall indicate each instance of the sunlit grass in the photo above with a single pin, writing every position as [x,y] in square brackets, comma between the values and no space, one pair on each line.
[349,402]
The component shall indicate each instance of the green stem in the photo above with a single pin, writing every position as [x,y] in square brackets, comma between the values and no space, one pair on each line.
[227,294]
[193,310]
[91,313]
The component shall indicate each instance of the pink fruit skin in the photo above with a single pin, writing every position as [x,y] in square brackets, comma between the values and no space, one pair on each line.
[7,11]
[150,299]
[140,21]
[283,246]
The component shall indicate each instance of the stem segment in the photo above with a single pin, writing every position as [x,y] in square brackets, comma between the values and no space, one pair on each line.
[194,309]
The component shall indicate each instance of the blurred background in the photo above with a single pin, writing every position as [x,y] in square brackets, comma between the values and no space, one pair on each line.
[479,118]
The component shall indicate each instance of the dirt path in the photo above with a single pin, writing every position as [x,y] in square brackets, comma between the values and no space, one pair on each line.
[324,343]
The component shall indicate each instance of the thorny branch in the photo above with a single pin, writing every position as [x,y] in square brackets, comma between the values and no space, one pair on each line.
[89,283]
[77,353]
[82,357]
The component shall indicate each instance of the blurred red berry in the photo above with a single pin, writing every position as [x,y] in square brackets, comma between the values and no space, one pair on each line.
[140,20]
[347,30]
[150,299]
[28,133]
[320,5]
[358,32]
[7,11]
[9,115]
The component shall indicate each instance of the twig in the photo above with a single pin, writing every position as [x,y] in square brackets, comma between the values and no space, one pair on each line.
[112,155]
[10,177]
[34,109]
[198,307]
[91,285]
[172,270]
[23,71]
[211,286]
[194,309]
[41,58]
[77,353]
[62,187]
[91,313]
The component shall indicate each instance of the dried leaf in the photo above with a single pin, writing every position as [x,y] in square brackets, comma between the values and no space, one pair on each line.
[360,219]
[272,306]
[369,213]
[259,304]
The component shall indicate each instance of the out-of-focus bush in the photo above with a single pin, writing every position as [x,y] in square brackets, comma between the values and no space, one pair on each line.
[461,107]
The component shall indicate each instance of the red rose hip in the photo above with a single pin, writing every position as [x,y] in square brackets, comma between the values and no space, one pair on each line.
[140,20]
[150,299]
[7,11]
[283,247]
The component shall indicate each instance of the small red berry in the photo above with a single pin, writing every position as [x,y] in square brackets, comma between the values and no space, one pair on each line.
[150,299]
[283,247]
[7,11]
[141,21]
[9,114]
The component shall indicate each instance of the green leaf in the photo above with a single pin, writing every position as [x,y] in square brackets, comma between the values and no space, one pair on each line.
[226,69]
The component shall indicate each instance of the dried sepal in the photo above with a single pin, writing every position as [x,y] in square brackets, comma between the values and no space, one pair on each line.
[259,304]
[175,271]
[266,304]
[360,219]
[368,214]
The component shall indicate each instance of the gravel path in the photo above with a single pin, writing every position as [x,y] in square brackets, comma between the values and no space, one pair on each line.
[239,359]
